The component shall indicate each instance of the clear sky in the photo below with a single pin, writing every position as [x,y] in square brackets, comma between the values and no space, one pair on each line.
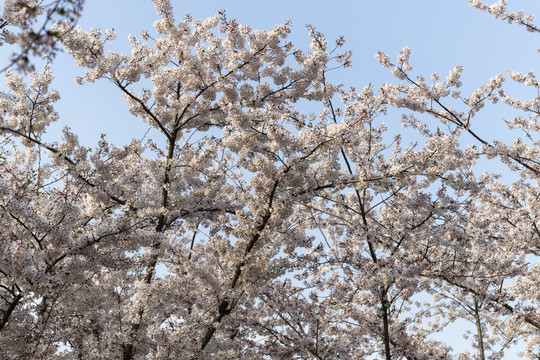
[442,34]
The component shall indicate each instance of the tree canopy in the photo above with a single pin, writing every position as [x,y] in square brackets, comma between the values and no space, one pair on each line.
[274,215]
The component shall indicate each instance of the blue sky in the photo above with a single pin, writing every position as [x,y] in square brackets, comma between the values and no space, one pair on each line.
[442,34]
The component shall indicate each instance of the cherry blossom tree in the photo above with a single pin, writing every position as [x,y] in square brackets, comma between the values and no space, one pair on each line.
[250,229]
[27,24]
